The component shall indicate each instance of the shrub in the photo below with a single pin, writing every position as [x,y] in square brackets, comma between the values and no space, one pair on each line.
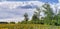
[12,22]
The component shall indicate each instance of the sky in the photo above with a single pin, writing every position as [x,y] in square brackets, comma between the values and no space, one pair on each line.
[13,10]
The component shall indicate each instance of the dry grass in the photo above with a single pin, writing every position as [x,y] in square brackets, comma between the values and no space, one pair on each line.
[27,26]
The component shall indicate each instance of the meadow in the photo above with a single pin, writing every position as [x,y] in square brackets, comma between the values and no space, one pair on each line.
[27,26]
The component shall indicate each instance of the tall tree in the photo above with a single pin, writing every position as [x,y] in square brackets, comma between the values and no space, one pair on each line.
[48,12]
[36,16]
[37,13]
[26,17]
[57,18]
[25,21]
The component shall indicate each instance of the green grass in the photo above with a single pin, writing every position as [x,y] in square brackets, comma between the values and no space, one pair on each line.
[27,26]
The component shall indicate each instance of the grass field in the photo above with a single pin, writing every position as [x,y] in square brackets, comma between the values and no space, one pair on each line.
[27,26]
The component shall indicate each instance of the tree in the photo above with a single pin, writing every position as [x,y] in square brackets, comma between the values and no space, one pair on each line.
[35,19]
[12,22]
[25,21]
[36,13]
[26,17]
[49,13]
[4,23]
[57,18]
[36,16]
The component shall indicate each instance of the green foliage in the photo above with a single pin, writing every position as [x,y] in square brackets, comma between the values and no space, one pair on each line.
[3,22]
[19,22]
[35,22]
[26,17]
[48,11]
[49,14]
[36,16]
[24,22]
[37,12]
[12,22]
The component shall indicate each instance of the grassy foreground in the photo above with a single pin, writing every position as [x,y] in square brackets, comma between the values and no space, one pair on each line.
[27,26]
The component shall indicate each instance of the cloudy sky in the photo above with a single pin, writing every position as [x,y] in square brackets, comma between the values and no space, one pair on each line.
[13,10]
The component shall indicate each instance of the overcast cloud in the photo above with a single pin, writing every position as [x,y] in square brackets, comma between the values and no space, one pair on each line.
[14,11]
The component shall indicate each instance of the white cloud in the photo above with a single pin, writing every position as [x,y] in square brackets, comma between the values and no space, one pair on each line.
[9,9]
[12,5]
[58,0]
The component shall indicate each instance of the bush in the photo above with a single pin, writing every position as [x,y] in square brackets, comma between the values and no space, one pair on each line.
[12,22]
[3,22]
[19,22]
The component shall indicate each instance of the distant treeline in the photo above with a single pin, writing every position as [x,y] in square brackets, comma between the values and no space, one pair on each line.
[7,22]
[3,22]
